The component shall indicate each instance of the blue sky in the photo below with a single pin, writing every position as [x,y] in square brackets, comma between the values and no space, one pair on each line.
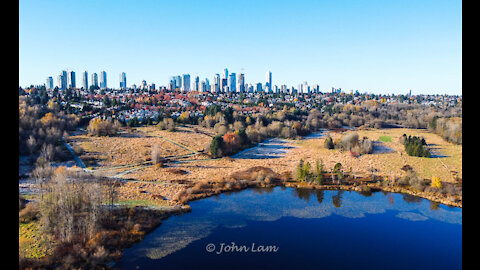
[372,46]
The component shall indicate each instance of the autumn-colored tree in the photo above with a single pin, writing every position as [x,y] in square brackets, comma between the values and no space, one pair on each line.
[48,120]
[436,183]
[184,117]
[231,142]
[296,126]
[98,127]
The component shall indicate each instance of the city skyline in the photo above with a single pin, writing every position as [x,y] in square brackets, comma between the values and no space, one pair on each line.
[373,47]
[184,83]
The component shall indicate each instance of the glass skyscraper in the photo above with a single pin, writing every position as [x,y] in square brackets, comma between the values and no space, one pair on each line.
[178,82]
[269,81]
[71,80]
[123,80]
[232,82]
[103,79]
[63,80]
[241,83]
[216,82]
[186,82]
[95,80]
[85,80]
[49,84]
[196,84]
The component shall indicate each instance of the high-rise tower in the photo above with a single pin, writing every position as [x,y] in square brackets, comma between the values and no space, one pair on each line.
[269,81]
[123,80]
[85,80]
[232,82]
[103,79]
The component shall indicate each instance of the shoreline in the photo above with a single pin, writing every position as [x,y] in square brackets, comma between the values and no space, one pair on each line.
[358,188]
[159,215]
[373,187]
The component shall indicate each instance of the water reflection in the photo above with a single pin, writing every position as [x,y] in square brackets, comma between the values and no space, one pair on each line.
[320,194]
[391,200]
[337,199]
[236,209]
[411,199]
[434,205]
[303,194]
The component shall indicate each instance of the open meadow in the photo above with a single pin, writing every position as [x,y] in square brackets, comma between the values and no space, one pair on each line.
[128,156]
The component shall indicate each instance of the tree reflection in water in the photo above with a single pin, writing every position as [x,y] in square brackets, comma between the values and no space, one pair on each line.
[391,200]
[337,199]
[366,193]
[411,199]
[267,190]
[434,205]
[303,194]
[237,209]
[320,194]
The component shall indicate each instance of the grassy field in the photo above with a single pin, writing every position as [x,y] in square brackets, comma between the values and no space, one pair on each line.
[153,182]
[447,156]
[31,242]
[136,147]
[385,139]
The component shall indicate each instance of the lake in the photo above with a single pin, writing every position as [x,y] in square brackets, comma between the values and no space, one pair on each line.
[286,228]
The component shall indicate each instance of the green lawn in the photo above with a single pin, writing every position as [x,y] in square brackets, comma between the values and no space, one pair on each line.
[133,203]
[31,241]
[385,139]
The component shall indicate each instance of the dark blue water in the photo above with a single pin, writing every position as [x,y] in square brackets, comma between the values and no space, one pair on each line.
[308,229]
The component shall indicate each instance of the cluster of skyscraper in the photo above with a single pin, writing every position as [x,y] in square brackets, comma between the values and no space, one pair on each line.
[225,83]
[67,80]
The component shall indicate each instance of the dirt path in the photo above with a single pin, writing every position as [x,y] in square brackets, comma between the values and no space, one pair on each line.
[176,143]
[77,159]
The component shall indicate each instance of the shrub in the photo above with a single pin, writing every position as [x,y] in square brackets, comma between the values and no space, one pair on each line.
[416,146]
[366,146]
[156,155]
[403,139]
[167,124]
[220,128]
[304,171]
[320,177]
[177,171]
[328,143]
[448,128]
[307,172]
[300,176]
[98,127]
[29,213]
[78,150]
[348,141]
[216,146]
[337,170]
[243,136]
[71,208]
[21,203]
[417,183]
[47,152]
[403,181]
[452,189]
[436,183]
